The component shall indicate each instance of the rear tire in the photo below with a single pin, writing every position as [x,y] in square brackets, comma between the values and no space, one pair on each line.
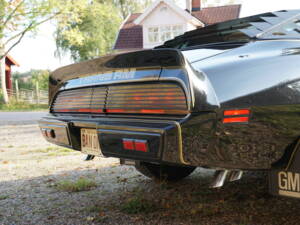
[164,172]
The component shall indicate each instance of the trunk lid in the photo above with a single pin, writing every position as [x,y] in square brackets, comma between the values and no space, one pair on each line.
[125,83]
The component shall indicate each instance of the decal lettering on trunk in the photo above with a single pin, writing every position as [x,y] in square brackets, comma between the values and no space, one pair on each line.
[100,78]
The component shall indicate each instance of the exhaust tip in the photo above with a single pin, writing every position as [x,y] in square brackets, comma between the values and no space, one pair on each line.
[219,178]
[235,175]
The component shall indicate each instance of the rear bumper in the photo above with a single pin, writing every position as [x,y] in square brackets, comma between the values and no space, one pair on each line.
[196,140]
[111,132]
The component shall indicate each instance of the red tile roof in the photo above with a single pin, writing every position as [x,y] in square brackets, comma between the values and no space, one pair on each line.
[131,35]
[219,14]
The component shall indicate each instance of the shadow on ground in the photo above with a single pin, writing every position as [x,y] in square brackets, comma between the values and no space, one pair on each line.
[122,196]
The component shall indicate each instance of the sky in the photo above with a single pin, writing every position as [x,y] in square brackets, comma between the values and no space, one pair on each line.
[38,52]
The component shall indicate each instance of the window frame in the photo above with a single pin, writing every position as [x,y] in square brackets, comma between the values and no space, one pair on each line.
[164,32]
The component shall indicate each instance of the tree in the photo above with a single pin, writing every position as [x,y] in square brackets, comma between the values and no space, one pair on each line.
[19,17]
[92,35]
[96,32]
[132,6]
[28,80]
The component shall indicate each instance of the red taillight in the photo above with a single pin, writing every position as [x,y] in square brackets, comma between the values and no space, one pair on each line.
[144,111]
[83,110]
[141,146]
[152,111]
[96,111]
[133,98]
[236,116]
[236,112]
[236,120]
[115,110]
[128,144]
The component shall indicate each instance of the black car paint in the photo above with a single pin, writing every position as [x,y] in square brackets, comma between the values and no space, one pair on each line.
[260,75]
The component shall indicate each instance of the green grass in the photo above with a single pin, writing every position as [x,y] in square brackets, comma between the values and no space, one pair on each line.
[3,197]
[82,184]
[54,151]
[95,208]
[138,205]
[22,106]
[58,151]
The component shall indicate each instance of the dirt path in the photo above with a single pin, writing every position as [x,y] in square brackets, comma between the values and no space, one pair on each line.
[36,188]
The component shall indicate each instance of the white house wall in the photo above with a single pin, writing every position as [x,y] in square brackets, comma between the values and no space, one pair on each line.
[160,17]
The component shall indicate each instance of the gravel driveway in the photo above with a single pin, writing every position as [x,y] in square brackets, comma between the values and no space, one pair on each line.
[33,190]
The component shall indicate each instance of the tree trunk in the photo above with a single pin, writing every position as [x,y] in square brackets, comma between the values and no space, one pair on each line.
[2,75]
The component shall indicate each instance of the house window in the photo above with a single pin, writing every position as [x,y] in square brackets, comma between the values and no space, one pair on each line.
[164,33]
[177,30]
[153,33]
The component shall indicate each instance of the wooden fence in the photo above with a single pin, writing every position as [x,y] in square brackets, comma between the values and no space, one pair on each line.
[36,96]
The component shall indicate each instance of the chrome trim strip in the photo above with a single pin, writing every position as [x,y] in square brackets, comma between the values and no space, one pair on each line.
[111,82]
[180,149]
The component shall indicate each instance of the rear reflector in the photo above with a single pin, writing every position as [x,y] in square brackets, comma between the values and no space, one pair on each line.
[141,146]
[128,144]
[136,145]
[236,120]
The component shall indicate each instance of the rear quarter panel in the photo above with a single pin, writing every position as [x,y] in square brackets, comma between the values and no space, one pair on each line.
[264,77]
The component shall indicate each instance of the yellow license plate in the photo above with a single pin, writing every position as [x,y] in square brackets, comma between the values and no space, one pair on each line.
[90,142]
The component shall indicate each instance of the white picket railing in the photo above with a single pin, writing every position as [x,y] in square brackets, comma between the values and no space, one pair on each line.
[29,96]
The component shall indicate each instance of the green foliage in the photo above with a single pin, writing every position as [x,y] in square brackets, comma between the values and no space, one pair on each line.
[27,80]
[22,106]
[3,197]
[42,77]
[19,17]
[82,184]
[15,105]
[93,35]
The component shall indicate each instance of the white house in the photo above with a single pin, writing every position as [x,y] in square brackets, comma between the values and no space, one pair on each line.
[164,20]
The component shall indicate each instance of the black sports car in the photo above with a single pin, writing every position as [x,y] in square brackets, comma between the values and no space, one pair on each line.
[226,97]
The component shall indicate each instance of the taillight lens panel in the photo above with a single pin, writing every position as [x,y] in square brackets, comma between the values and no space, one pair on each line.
[146,99]
[151,98]
[236,116]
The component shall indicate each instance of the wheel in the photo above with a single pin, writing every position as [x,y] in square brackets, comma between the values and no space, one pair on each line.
[164,172]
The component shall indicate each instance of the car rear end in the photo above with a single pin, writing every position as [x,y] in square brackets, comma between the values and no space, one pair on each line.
[130,106]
